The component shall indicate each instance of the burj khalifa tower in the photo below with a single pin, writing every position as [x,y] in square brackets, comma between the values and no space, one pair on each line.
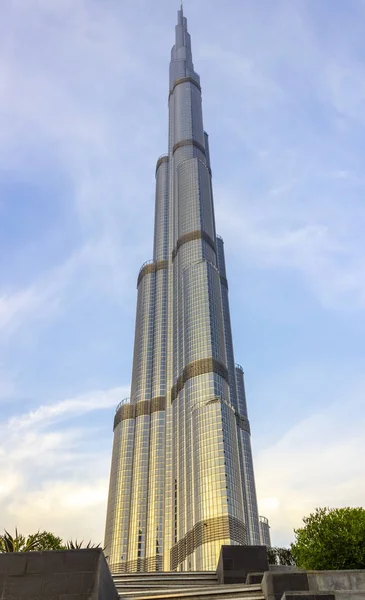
[182,479]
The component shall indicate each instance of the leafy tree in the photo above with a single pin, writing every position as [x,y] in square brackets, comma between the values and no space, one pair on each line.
[331,539]
[47,541]
[280,556]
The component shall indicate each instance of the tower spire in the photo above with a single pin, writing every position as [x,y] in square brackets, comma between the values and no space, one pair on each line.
[181,57]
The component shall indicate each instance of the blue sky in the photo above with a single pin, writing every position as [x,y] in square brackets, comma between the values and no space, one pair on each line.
[83,119]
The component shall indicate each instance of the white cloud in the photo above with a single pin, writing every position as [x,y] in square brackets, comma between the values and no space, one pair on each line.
[10,483]
[12,306]
[289,188]
[346,87]
[324,249]
[41,298]
[7,385]
[55,476]
[96,266]
[89,402]
[67,101]
[316,463]
[72,510]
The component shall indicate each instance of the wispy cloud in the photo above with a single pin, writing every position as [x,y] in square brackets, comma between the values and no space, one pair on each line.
[46,414]
[315,463]
[7,385]
[325,250]
[54,475]
[43,297]
[82,121]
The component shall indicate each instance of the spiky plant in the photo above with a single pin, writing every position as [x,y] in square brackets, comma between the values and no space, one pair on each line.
[18,543]
[75,545]
[39,541]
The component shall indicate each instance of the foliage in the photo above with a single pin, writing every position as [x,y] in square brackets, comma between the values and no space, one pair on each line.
[47,541]
[75,545]
[37,542]
[18,543]
[331,539]
[280,556]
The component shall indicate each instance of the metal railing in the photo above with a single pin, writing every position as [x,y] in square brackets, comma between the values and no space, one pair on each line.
[122,403]
[148,262]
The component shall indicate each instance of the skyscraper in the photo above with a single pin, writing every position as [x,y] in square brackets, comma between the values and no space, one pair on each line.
[182,480]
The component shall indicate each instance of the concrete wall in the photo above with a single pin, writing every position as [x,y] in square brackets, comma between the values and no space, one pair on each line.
[236,562]
[57,575]
[314,585]
[337,581]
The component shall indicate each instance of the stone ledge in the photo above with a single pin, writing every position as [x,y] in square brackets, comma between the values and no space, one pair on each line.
[314,585]
[274,585]
[307,596]
[349,595]
[56,575]
[236,562]
[254,578]
[352,580]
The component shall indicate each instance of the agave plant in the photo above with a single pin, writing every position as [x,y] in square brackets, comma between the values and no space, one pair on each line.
[75,545]
[18,543]
[39,541]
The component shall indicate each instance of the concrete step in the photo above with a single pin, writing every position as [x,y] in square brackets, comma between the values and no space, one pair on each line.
[156,586]
[224,595]
[168,580]
[217,588]
[167,575]
[162,584]
[179,585]
[216,592]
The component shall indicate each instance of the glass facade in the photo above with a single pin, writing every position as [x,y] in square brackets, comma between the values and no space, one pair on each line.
[265,538]
[182,480]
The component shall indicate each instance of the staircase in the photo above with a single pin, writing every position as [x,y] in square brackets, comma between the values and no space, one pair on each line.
[195,585]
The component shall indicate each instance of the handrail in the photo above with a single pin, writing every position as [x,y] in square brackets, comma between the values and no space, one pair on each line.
[238,366]
[122,403]
[148,262]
